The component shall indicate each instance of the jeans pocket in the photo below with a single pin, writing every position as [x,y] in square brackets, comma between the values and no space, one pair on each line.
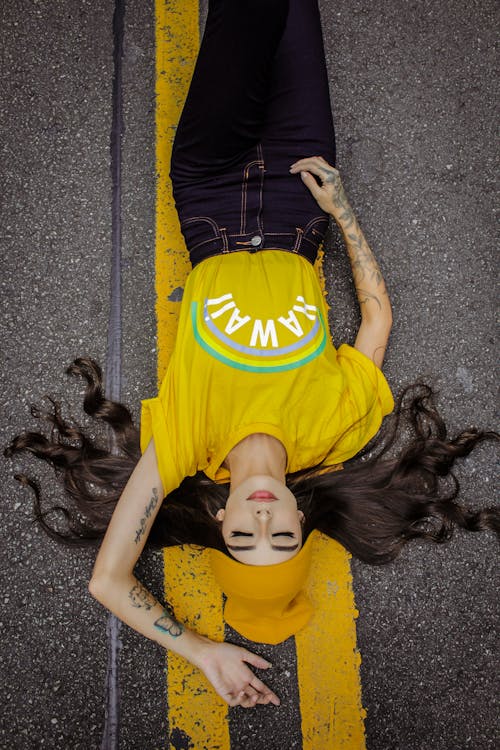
[315,230]
[202,230]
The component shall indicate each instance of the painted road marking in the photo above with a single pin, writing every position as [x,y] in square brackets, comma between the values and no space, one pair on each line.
[197,716]
[327,659]
[177,42]
[328,662]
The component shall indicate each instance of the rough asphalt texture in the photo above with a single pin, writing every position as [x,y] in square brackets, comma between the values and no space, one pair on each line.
[413,92]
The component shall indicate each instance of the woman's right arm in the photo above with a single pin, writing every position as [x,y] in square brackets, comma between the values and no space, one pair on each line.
[374,303]
[114,585]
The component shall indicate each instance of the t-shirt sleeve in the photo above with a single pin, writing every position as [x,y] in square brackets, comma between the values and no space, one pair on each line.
[158,421]
[367,399]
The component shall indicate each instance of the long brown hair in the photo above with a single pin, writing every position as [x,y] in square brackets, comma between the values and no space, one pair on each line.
[380,500]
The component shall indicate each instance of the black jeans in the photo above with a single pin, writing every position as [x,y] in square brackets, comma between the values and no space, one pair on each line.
[258,101]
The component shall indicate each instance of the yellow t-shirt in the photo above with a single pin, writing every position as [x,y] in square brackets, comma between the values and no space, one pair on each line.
[253,354]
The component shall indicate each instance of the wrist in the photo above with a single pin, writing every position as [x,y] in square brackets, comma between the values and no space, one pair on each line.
[198,649]
[343,216]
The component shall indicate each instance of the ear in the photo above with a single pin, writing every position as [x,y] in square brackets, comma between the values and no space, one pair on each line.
[220,514]
[301,516]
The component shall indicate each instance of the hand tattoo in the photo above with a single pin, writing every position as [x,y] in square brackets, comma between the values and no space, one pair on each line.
[140,597]
[332,177]
[147,514]
[167,623]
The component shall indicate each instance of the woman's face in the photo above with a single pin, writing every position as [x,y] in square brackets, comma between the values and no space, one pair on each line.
[261,524]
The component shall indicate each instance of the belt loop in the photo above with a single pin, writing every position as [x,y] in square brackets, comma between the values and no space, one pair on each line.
[298,241]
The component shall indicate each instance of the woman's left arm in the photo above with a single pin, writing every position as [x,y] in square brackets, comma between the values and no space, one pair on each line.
[374,303]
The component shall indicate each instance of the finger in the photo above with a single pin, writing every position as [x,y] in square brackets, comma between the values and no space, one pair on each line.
[310,182]
[265,694]
[247,700]
[254,695]
[254,660]
[323,171]
[310,158]
[241,699]
[311,163]
[256,699]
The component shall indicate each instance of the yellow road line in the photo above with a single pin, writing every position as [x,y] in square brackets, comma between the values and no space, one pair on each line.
[327,660]
[194,707]
[195,710]
[177,42]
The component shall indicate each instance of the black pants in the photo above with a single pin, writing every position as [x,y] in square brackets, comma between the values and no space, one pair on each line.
[258,101]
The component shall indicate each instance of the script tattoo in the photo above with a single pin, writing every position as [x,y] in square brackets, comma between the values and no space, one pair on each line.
[167,623]
[147,514]
[140,597]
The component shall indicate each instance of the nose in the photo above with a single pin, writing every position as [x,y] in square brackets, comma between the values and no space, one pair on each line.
[263,512]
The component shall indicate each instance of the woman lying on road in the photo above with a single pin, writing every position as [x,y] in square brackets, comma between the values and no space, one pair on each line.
[258,410]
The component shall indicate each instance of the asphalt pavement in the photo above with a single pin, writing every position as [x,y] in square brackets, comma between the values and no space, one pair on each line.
[414,97]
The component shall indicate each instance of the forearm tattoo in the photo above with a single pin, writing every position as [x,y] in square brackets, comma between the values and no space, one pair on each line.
[147,514]
[140,597]
[339,198]
[167,623]
[366,274]
[365,270]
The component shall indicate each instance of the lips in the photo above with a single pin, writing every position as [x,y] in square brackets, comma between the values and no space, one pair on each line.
[262,496]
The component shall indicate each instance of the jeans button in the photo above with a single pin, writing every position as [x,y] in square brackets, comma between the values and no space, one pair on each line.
[256,241]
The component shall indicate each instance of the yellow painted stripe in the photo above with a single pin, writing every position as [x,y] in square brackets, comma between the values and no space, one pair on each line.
[194,707]
[327,659]
[195,710]
[328,663]
[332,716]
[177,42]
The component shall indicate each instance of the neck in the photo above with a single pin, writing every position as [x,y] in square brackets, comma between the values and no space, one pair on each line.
[256,454]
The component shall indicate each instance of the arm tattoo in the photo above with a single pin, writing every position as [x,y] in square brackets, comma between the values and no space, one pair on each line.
[368,280]
[147,514]
[167,623]
[364,268]
[365,296]
[339,199]
[140,597]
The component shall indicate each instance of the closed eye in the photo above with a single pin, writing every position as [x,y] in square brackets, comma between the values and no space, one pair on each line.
[241,533]
[285,533]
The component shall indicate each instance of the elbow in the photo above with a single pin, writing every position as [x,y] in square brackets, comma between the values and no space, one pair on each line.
[379,323]
[384,326]
[99,587]
[385,314]
[95,587]
[389,319]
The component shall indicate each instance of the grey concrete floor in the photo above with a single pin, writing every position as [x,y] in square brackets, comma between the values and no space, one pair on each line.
[413,92]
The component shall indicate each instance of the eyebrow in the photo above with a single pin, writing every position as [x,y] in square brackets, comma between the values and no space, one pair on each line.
[275,547]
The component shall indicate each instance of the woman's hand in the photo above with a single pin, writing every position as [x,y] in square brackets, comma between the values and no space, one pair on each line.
[374,303]
[330,195]
[226,667]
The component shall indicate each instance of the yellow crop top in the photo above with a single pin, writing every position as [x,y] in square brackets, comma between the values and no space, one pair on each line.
[253,354]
